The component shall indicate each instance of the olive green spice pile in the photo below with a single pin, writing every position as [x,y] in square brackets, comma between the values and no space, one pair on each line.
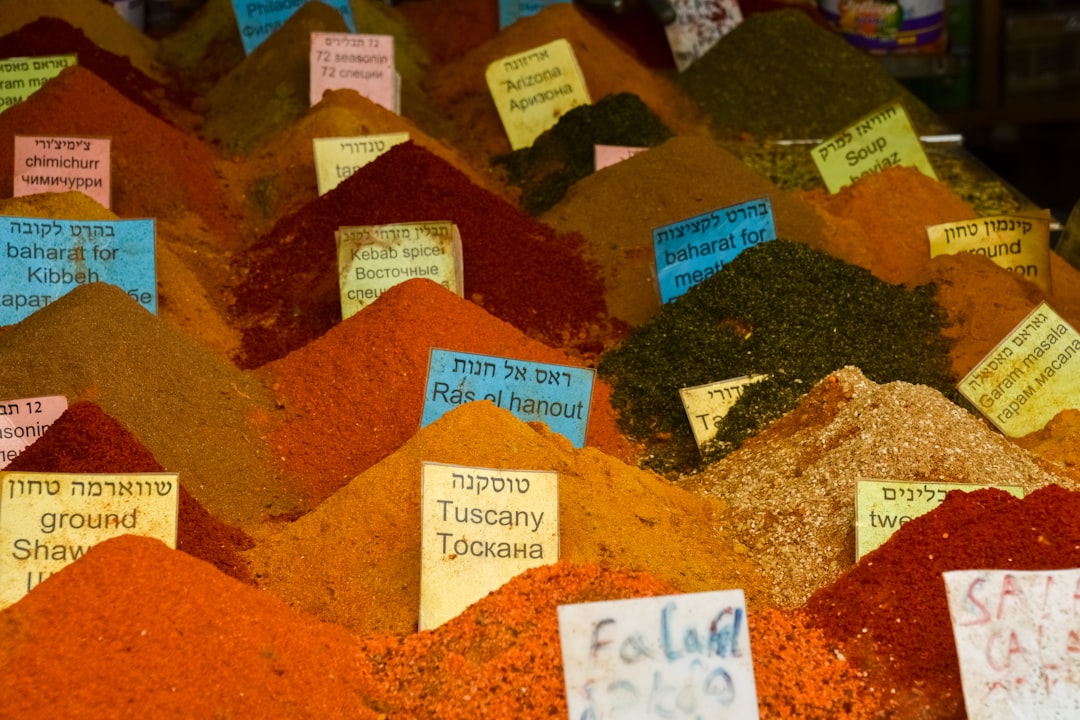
[564,154]
[780,309]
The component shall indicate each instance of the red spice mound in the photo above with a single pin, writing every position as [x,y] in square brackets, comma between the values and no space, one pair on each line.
[134,629]
[87,440]
[356,394]
[891,610]
[517,268]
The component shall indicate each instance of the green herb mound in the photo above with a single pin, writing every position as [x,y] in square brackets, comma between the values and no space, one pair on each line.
[781,309]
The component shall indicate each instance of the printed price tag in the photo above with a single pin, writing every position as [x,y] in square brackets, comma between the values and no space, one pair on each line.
[559,395]
[677,656]
[882,506]
[706,405]
[481,527]
[20,77]
[336,158]
[48,520]
[1020,245]
[1017,642]
[512,10]
[44,259]
[533,89]
[364,63]
[698,26]
[374,258]
[1031,376]
[56,164]
[884,138]
[25,420]
[607,155]
[259,20]
[697,248]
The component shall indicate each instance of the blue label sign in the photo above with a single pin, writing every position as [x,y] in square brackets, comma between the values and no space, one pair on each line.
[259,20]
[558,395]
[694,249]
[43,259]
[511,10]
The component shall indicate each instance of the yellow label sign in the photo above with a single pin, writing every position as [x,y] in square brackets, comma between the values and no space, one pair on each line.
[533,89]
[374,258]
[706,405]
[1031,376]
[882,139]
[336,158]
[48,520]
[480,527]
[1018,244]
[882,506]
[21,77]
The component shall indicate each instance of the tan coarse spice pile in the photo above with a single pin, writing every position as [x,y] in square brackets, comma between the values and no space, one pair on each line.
[790,490]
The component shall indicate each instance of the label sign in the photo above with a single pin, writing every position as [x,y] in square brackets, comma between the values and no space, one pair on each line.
[259,20]
[1031,376]
[44,259]
[20,77]
[698,26]
[676,656]
[533,89]
[882,139]
[558,395]
[48,520]
[374,258]
[1017,642]
[1020,245]
[23,421]
[882,506]
[336,158]
[56,164]
[697,248]
[606,155]
[706,405]
[480,528]
[364,63]
[512,10]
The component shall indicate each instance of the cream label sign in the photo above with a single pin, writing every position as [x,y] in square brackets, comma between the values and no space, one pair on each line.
[364,63]
[20,77]
[57,164]
[259,19]
[676,656]
[24,420]
[697,248]
[558,395]
[44,259]
[336,158]
[1031,376]
[48,520]
[706,405]
[1020,245]
[481,527]
[1017,642]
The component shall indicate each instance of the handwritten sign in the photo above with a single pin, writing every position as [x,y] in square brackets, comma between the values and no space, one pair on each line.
[698,26]
[336,158]
[533,89]
[1020,245]
[608,155]
[21,77]
[259,20]
[1017,641]
[706,405]
[24,420]
[44,259]
[697,248]
[1031,376]
[56,164]
[559,395]
[374,258]
[882,506]
[48,520]
[480,527]
[676,656]
[512,10]
[884,138]
[364,63]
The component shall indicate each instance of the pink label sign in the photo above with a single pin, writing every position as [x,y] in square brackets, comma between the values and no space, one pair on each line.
[364,63]
[606,155]
[59,164]
[23,421]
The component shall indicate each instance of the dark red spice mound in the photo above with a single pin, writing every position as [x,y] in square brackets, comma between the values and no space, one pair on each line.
[515,267]
[87,440]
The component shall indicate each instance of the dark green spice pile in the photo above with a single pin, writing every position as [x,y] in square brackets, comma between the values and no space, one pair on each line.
[781,309]
[779,74]
[564,154]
